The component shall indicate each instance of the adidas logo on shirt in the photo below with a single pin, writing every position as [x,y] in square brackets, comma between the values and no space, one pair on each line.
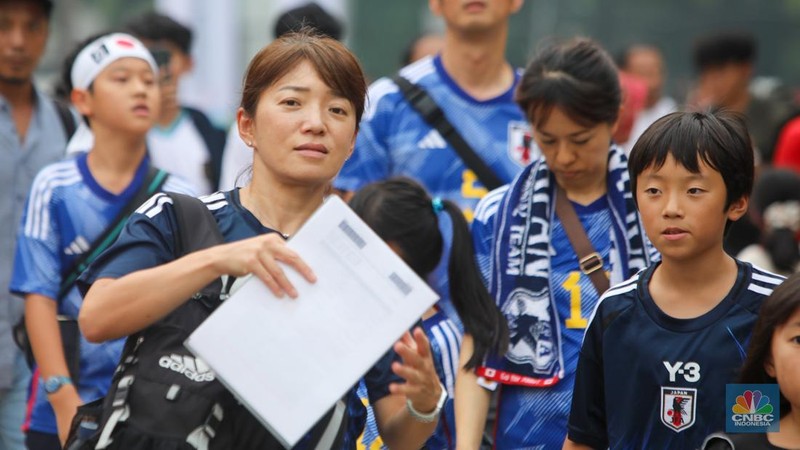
[194,369]
[78,246]
[432,140]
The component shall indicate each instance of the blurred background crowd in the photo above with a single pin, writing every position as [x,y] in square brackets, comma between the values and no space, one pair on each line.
[228,33]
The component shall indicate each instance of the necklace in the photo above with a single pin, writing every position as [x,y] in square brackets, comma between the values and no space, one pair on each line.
[273,228]
[244,197]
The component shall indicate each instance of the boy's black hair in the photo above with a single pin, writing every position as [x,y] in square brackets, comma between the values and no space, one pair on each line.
[401,212]
[719,139]
[578,76]
[720,48]
[153,26]
[776,310]
[310,15]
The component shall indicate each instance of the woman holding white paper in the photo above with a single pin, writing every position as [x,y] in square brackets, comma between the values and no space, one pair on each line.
[303,97]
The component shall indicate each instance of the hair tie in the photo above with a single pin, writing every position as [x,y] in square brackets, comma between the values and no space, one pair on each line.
[437,204]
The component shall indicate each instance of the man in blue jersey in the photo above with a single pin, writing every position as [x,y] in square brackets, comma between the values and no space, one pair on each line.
[662,346]
[70,205]
[473,84]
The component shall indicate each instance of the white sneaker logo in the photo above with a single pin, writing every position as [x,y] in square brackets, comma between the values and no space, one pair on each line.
[78,246]
[194,369]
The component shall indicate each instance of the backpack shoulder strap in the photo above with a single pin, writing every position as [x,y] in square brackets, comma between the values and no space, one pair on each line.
[214,139]
[67,119]
[153,182]
[197,227]
[426,106]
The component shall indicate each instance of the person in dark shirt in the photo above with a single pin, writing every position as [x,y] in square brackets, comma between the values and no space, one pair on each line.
[661,346]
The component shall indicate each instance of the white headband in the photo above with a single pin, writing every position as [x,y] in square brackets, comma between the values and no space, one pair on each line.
[103,51]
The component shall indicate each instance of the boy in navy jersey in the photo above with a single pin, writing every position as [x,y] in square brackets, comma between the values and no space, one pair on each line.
[661,346]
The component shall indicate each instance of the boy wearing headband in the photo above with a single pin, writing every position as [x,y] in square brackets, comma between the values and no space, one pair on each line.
[113,81]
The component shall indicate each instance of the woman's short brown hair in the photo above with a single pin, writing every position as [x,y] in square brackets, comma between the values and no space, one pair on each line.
[335,64]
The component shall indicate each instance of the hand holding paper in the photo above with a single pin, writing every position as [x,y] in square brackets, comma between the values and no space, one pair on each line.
[289,362]
[260,256]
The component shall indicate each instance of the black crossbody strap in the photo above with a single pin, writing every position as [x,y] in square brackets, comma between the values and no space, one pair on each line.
[589,260]
[153,181]
[434,116]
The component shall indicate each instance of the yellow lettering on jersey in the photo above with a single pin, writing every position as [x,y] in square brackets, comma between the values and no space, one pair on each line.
[470,188]
[576,319]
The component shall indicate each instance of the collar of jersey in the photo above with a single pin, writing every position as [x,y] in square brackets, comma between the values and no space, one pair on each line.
[104,194]
[249,218]
[169,129]
[505,97]
[695,323]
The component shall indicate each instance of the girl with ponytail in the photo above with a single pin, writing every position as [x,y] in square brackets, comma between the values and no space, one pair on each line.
[402,213]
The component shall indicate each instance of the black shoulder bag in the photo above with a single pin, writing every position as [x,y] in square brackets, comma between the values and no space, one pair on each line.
[422,102]
[70,334]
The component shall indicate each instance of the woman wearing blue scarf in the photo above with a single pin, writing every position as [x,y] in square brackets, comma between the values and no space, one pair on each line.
[571,96]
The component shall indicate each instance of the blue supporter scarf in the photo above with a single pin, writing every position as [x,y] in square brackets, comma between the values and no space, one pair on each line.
[520,281]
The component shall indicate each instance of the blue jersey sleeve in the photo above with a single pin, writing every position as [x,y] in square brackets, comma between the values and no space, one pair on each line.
[380,375]
[38,264]
[371,159]
[146,241]
[483,231]
[587,417]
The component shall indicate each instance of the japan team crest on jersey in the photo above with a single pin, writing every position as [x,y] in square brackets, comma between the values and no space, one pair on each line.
[521,147]
[678,407]
[532,335]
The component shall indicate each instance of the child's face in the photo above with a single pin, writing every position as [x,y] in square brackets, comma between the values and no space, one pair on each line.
[125,97]
[784,364]
[577,155]
[173,65]
[684,213]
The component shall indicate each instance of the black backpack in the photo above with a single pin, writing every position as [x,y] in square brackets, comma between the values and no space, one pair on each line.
[214,139]
[162,396]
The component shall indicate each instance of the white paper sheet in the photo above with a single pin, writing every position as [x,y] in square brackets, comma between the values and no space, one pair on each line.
[290,360]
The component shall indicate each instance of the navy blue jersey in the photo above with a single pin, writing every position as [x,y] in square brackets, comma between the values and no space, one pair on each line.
[648,380]
[148,240]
